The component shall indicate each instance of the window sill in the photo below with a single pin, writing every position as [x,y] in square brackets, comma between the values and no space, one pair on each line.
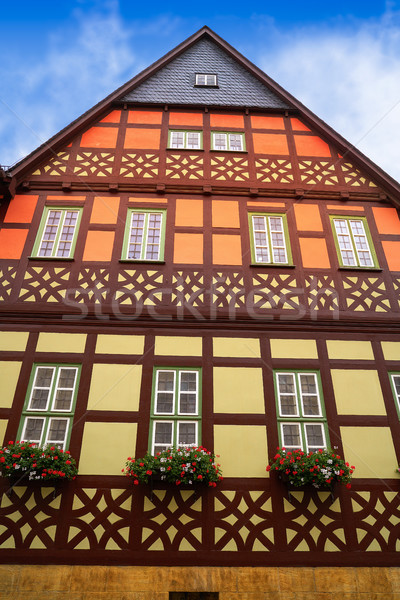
[198,85]
[274,265]
[230,151]
[140,262]
[185,149]
[55,258]
[368,269]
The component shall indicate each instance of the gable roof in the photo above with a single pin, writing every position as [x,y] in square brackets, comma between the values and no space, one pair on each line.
[149,78]
[175,82]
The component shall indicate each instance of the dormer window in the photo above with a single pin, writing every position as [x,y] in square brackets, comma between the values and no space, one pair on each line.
[206,80]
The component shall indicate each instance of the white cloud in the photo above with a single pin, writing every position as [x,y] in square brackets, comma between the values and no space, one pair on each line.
[350,77]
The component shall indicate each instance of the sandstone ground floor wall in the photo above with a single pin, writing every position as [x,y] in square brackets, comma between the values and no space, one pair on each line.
[156,583]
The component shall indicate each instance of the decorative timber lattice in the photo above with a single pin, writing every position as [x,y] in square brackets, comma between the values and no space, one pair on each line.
[100,519]
[276,291]
[229,168]
[94,164]
[188,288]
[172,521]
[228,290]
[190,166]
[313,522]
[7,278]
[321,293]
[366,294]
[29,517]
[354,177]
[271,170]
[57,166]
[243,521]
[45,284]
[137,288]
[139,165]
[313,172]
[378,520]
[93,286]
[396,286]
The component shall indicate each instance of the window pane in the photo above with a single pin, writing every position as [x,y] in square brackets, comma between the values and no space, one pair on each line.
[396,381]
[287,395]
[41,388]
[136,236]
[50,233]
[57,432]
[309,394]
[235,142]
[260,238]
[39,399]
[187,434]
[153,236]
[291,436]
[177,139]
[193,139]
[188,392]
[67,233]
[165,392]
[277,239]
[162,436]
[315,436]
[33,429]
[219,141]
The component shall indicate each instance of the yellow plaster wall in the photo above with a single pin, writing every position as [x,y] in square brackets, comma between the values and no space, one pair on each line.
[3,427]
[120,344]
[349,350]
[293,348]
[9,373]
[119,440]
[391,350]
[371,451]
[115,387]
[236,347]
[242,450]
[238,390]
[61,342]
[166,345]
[13,341]
[357,392]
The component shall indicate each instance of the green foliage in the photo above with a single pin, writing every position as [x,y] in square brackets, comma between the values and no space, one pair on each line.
[186,465]
[322,468]
[31,462]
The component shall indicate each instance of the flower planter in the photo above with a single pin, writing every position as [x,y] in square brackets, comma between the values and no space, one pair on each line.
[307,488]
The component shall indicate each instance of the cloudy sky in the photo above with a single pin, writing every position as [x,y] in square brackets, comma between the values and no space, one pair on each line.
[341,59]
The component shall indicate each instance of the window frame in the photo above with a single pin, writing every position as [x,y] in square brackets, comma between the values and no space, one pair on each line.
[368,237]
[289,261]
[227,134]
[42,227]
[175,417]
[49,413]
[211,85]
[185,132]
[126,243]
[300,419]
[392,375]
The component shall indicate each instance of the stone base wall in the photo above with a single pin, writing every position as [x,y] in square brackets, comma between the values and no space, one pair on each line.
[57,582]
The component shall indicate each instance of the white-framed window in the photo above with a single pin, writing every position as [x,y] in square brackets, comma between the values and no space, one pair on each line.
[301,418]
[269,239]
[50,404]
[395,380]
[206,79]
[58,232]
[176,408]
[353,242]
[191,140]
[228,141]
[144,235]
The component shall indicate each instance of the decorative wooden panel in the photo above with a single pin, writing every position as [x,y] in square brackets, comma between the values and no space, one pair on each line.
[139,165]
[45,284]
[314,172]
[190,166]
[366,294]
[274,170]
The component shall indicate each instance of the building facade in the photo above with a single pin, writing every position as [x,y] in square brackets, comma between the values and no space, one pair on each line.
[201,234]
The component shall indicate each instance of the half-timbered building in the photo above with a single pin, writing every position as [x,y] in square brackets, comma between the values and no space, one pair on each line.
[201,230]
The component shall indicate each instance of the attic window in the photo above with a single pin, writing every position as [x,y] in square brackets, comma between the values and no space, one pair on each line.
[206,80]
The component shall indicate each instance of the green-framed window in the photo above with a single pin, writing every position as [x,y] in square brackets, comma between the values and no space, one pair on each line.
[230,141]
[189,139]
[50,404]
[269,239]
[395,381]
[353,242]
[144,235]
[58,232]
[175,409]
[300,410]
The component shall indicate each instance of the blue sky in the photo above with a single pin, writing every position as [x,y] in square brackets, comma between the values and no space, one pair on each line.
[341,59]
